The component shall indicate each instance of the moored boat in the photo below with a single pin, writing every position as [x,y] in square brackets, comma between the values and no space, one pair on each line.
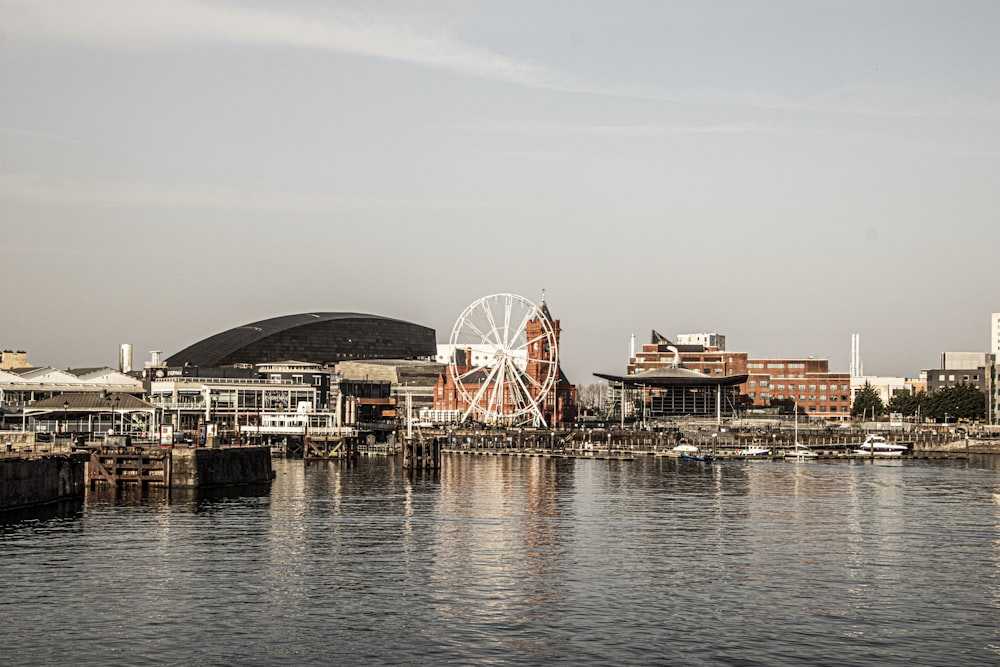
[876,445]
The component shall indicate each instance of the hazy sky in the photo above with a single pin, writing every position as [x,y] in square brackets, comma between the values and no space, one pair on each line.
[786,173]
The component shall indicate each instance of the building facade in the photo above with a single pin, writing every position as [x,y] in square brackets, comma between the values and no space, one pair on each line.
[808,382]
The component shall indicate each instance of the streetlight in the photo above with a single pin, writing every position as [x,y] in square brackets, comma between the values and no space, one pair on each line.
[65,408]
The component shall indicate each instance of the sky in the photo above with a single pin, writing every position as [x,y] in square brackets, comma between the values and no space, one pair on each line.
[783,172]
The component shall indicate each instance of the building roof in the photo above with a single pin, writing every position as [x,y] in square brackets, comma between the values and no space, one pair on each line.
[314,337]
[675,376]
[90,402]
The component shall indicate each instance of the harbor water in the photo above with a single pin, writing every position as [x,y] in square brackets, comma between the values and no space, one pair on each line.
[502,560]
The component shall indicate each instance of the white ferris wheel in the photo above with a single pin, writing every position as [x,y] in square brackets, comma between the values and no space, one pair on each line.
[504,360]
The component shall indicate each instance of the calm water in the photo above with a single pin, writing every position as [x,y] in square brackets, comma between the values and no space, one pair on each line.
[520,561]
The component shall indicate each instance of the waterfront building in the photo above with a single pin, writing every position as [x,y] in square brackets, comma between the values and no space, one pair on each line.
[412,380]
[768,381]
[673,391]
[24,387]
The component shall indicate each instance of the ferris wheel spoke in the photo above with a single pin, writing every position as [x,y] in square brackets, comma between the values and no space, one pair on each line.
[487,382]
[534,404]
[495,407]
[501,340]
[471,372]
[483,338]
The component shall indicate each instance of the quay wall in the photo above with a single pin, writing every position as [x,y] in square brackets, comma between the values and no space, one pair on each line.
[201,468]
[30,481]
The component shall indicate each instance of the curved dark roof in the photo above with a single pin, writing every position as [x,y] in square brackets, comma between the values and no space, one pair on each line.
[675,376]
[316,337]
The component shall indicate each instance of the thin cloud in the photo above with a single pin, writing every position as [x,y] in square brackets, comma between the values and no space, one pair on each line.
[165,24]
[411,39]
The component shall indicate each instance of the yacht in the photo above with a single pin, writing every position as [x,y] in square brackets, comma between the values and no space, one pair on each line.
[876,445]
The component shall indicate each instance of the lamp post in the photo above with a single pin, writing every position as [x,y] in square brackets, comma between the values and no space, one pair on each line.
[65,409]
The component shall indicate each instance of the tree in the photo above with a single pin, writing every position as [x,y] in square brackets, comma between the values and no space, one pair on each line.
[963,401]
[906,402]
[592,397]
[866,401]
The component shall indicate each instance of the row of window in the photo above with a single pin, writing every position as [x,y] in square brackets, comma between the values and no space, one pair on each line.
[777,365]
[780,387]
[951,378]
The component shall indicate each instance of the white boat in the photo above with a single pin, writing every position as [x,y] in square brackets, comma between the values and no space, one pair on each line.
[755,452]
[801,452]
[876,445]
[684,449]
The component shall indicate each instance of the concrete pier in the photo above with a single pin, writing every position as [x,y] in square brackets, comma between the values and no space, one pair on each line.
[203,468]
[37,480]
[180,468]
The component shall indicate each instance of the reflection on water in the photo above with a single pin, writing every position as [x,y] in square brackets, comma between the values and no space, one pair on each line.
[519,561]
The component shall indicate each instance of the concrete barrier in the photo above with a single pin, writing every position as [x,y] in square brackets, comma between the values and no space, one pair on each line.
[30,481]
[202,468]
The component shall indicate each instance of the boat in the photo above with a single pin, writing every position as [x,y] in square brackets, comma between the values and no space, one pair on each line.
[755,452]
[688,452]
[801,452]
[876,445]
[696,456]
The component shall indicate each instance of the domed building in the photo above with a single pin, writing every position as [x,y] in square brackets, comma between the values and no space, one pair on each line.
[321,338]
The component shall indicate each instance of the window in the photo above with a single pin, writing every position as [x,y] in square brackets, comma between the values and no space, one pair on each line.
[802,387]
[781,387]
[775,365]
[764,384]
[297,379]
[812,387]
[822,387]
[752,383]
[797,366]
[318,380]
[822,397]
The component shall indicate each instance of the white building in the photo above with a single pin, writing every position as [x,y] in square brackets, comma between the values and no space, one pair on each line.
[483,356]
[704,339]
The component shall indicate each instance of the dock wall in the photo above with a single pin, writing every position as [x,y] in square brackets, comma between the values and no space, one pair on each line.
[201,468]
[30,481]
